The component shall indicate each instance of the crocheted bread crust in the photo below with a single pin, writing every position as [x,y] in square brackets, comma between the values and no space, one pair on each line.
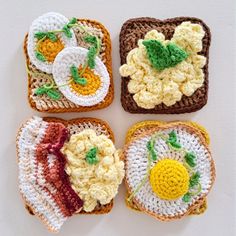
[139,127]
[45,104]
[140,130]
[75,126]
[135,29]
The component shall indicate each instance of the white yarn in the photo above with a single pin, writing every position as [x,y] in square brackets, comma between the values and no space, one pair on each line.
[30,186]
[47,22]
[61,73]
[136,169]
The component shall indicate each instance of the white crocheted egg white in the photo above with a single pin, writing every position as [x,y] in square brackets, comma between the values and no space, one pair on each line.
[47,22]
[30,185]
[61,73]
[136,169]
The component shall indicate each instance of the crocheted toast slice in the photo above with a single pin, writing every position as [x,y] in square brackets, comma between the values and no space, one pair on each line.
[44,184]
[136,203]
[135,29]
[38,78]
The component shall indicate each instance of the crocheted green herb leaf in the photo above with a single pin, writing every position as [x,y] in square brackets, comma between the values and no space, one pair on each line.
[194,179]
[172,140]
[190,159]
[91,156]
[67,31]
[53,94]
[40,91]
[52,36]
[40,35]
[40,56]
[72,22]
[187,197]
[76,77]
[161,56]
[151,149]
[91,57]
[91,39]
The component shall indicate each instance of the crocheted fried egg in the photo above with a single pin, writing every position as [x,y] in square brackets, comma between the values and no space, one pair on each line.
[169,170]
[48,48]
[97,79]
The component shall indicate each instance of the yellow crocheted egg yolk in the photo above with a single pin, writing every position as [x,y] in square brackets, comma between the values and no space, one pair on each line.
[169,179]
[50,49]
[92,85]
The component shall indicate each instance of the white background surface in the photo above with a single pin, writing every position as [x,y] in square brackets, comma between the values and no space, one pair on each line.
[218,116]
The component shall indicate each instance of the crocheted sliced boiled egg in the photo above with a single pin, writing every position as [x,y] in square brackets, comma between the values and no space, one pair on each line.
[94,84]
[48,35]
[169,170]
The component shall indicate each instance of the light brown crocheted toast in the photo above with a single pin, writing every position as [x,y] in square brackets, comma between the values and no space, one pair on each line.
[37,78]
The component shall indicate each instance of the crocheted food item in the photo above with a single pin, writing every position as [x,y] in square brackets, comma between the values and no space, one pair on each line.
[95,180]
[61,73]
[169,169]
[165,65]
[52,89]
[169,179]
[44,184]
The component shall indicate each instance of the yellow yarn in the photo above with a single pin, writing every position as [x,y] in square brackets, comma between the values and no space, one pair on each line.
[169,179]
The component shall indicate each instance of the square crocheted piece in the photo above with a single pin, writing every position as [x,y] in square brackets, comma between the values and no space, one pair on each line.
[49,191]
[135,29]
[138,203]
[38,78]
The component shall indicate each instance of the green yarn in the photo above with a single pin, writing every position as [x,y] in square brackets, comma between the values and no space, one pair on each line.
[91,156]
[49,91]
[190,159]
[187,197]
[40,56]
[76,77]
[51,35]
[194,180]
[161,56]
[172,140]
[151,149]
[91,57]
[66,31]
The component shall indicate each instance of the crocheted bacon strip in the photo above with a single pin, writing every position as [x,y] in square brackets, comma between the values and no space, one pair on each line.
[43,182]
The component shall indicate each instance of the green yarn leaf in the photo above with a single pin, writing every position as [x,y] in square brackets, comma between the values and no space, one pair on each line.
[91,156]
[40,35]
[161,56]
[66,31]
[40,56]
[172,140]
[91,57]
[187,197]
[72,22]
[53,94]
[91,39]
[194,179]
[40,91]
[76,77]
[190,159]
[52,36]
[151,149]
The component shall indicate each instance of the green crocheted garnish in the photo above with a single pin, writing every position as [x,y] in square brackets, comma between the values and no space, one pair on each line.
[161,56]
[190,159]
[49,91]
[40,56]
[194,180]
[172,140]
[76,77]
[91,156]
[151,149]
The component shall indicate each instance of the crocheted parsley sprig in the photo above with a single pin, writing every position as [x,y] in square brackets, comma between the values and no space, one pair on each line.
[164,56]
[189,158]
[91,156]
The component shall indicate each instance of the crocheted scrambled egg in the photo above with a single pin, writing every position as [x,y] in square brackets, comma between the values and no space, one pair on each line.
[152,87]
[92,85]
[96,183]
[169,179]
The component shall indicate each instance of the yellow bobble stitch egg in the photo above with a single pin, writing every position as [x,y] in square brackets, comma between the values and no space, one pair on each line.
[169,179]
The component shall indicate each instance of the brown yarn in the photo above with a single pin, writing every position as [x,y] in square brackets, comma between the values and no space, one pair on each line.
[100,209]
[135,29]
[63,104]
